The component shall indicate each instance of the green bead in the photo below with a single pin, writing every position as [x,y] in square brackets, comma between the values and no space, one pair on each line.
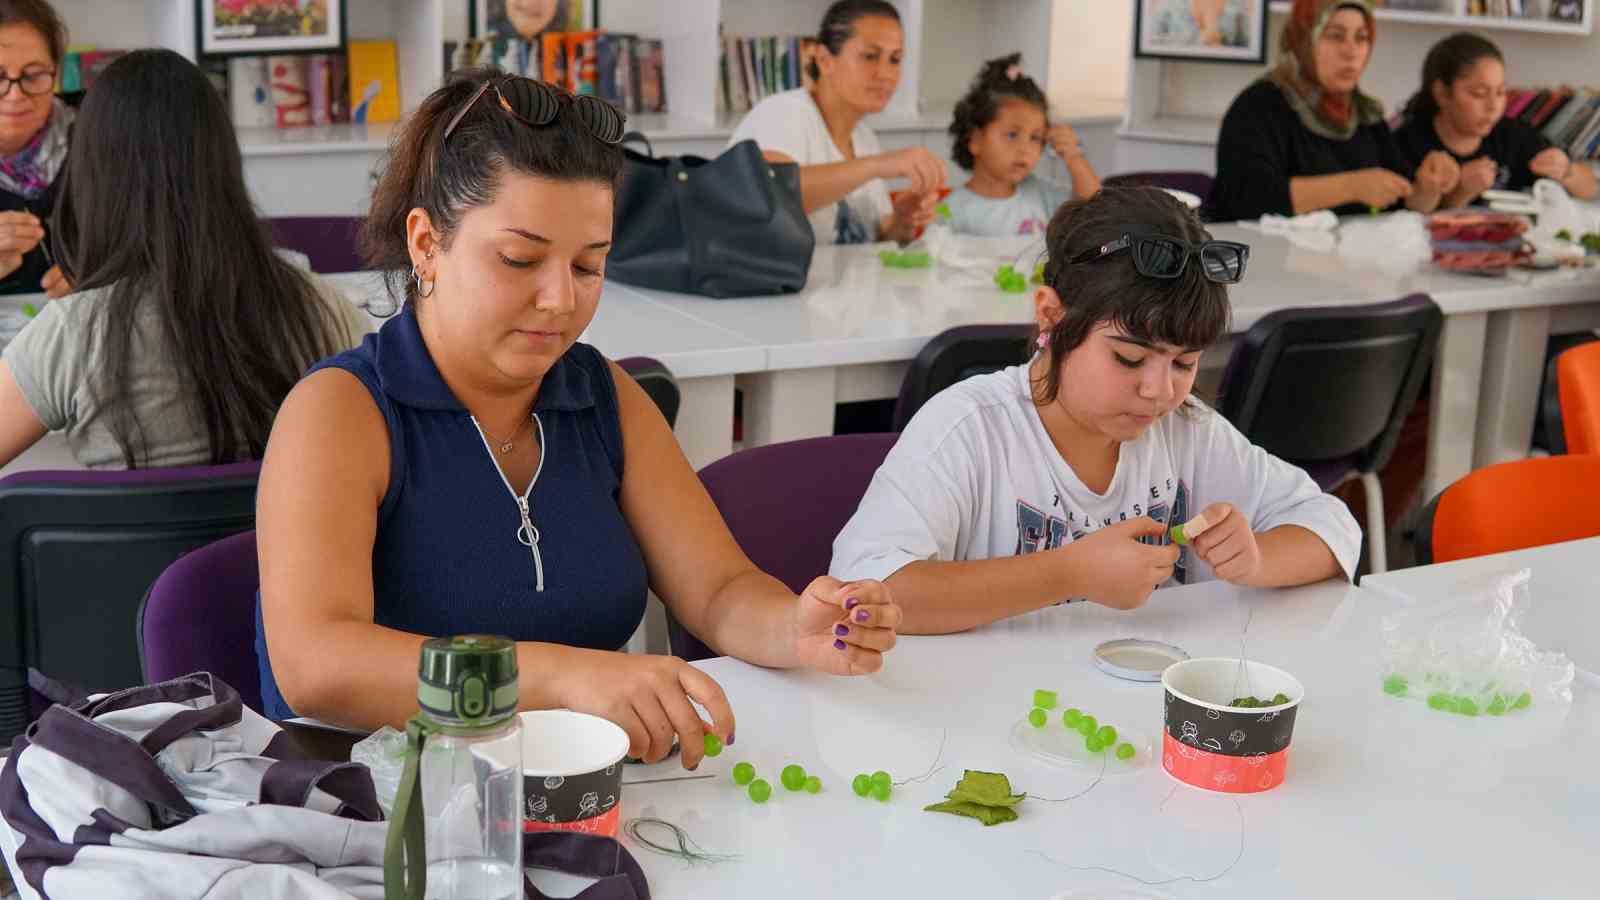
[29,310]
[881,792]
[1037,717]
[1106,735]
[1440,701]
[861,784]
[1125,751]
[1093,744]
[1524,701]
[813,785]
[1072,717]
[881,777]
[713,745]
[1087,725]
[760,791]
[1497,706]
[743,774]
[1280,699]
[1465,706]
[793,777]
[1395,686]
[1044,699]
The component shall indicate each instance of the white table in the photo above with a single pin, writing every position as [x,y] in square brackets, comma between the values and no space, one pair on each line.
[1562,615]
[1372,806]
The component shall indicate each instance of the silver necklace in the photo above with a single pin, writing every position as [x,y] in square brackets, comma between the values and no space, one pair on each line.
[509,444]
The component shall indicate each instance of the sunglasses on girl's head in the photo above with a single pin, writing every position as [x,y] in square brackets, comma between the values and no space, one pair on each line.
[1157,255]
[536,104]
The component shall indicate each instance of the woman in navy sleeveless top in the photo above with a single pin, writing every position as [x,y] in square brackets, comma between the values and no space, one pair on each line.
[473,468]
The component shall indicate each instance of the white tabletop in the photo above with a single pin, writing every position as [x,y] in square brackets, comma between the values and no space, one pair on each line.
[1383,798]
[1562,614]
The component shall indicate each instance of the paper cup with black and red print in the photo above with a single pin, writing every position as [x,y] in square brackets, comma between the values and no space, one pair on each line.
[571,772]
[1209,743]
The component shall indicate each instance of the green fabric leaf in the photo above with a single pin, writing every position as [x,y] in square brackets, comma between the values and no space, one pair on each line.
[985,789]
[988,815]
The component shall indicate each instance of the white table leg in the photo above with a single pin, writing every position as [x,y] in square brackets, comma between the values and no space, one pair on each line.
[1513,361]
[705,418]
[788,405]
[1453,411]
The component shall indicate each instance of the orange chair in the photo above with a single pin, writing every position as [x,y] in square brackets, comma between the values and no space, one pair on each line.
[1511,506]
[1578,382]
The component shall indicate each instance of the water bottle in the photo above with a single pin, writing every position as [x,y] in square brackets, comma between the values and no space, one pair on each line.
[456,832]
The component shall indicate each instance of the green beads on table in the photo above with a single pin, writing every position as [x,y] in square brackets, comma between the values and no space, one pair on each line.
[881,791]
[793,777]
[1395,686]
[760,791]
[1087,725]
[1092,743]
[1106,735]
[1280,699]
[1497,706]
[1441,701]
[1524,701]
[881,777]
[743,774]
[1072,717]
[862,785]
[1011,281]
[1037,717]
[1125,752]
[1044,699]
[813,784]
[1465,706]
[713,745]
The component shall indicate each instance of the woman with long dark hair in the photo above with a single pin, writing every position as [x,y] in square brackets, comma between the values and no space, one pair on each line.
[186,330]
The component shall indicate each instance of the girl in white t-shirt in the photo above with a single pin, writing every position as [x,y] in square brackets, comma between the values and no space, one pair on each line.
[999,131]
[1059,479]
[842,169]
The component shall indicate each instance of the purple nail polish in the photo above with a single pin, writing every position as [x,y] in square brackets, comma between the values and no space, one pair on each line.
[861,616]
[838,645]
[852,603]
[841,630]
[730,739]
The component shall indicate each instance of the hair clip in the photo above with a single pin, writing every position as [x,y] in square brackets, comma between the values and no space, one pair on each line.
[1013,72]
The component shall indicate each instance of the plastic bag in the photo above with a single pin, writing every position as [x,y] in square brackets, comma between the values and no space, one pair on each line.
[1467,654]
[384,753]
[1395,243]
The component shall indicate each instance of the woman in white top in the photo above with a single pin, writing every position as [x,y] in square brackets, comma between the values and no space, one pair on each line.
[1059,479]
[842,169]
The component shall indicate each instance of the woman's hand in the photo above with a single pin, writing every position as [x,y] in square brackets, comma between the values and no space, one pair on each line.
[1439,173]
[1377,187]
[649,697]
[918,166]
[20,232]
[912,213]
[56,284]
[845,628]
[1477,176]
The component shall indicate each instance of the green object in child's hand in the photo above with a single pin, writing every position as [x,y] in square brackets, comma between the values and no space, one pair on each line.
[861,784]
[713,745]
[1373,210]
[29,310]
[1044,699]
[942,211]
[760,791]
[743,774]
[1037,717]
[793,777]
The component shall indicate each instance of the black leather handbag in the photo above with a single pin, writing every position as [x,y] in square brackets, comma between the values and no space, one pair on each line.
[733,226]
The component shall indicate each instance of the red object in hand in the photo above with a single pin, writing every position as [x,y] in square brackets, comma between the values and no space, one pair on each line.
[894,197]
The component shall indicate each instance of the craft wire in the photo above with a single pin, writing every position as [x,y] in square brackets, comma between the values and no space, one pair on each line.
[1104,758]
[1243,672]
[1148,882]
[687,849]
[933,769]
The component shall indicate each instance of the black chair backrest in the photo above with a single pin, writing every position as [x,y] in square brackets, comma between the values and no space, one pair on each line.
[1327,383]
[78,550]
[658,384]
[955,355]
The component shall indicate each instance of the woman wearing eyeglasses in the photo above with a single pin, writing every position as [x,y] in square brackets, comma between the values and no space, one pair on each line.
[474,468]
[1059,479]
[35,130]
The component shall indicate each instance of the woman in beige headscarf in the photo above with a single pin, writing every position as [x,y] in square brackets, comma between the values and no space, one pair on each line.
[1305,137]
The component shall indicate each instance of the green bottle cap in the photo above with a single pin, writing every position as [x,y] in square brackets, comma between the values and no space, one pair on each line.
[468,681]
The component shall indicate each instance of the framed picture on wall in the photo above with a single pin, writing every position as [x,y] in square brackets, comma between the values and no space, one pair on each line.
[255,27]
[1233,31]
[525,20]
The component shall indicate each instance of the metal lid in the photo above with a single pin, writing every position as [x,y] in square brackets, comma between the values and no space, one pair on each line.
[468,681]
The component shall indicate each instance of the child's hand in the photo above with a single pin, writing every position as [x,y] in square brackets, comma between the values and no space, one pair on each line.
[1117,570]
[1552,162]
[1478,176]
[1064,141]
[1439,173]
[1228,546]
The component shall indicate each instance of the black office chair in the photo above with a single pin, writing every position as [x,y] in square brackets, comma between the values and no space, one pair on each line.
[955,355]
[1328,389]
[78,550]
[658,383]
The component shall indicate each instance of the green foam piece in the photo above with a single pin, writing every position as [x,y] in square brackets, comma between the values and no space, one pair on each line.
[713,745]
[1037,717]
[743,774]
[861,784]
[1044,699]
[988,815]
[1125,751]
[1395,686]
[881,792]
[760,791]
[813,784]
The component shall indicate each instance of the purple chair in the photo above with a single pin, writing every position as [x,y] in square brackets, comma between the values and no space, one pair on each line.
[957,354]
[785,503]
[332,242]
[1329,388]
[1196,183]
[79,549]
[658,384]
[200,616]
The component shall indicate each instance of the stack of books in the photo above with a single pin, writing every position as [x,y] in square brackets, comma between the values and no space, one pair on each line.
[625,70]
[1552,10]
[1567,117]
[754,68]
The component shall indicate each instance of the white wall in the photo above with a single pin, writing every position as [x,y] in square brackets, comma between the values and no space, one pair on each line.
[1091,42]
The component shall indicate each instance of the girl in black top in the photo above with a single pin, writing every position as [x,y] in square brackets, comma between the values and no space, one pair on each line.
[1460,110]
[1305,137]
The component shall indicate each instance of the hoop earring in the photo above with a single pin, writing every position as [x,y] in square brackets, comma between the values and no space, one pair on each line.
[416,276]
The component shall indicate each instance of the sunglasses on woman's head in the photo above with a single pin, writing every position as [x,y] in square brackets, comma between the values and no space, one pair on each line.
[536,104]
[1157,255]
